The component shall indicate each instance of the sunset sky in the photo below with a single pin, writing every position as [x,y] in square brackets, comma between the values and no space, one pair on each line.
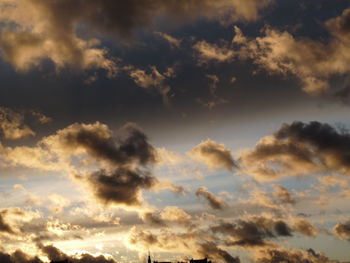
[180,128]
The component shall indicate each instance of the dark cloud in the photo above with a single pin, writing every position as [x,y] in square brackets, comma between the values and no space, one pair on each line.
[329,145]
[4,226]
[168,216]
[153,219]
[244,233]
[213,154]
[282,229]
[292,256]
[12,220]
[122,186]
[55,254]
[299,148]
[115,168]
[214,201]
[18,257]
[130,147]
[5,258]
[342,230]
[252,232]
[193,242]
[211,250]
[48,29]
[129,157]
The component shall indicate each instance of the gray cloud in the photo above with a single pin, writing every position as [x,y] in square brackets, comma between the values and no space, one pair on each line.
[4,226]
[213,154]
[130,147]
[342,230]
[253,232]
[291,256]
[55,254]
[34,31]
[121,186]
[214,201]
[305,227]
[122,163]
[296,149]
[18,257]
[211,250]
[194,242]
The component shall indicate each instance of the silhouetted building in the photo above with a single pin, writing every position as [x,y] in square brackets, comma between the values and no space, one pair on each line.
[61,261]
[204,260]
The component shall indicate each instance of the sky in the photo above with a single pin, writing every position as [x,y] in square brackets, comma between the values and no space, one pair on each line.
[177,129]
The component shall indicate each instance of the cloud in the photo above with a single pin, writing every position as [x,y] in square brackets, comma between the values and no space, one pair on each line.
[12,220]
[4,226]
[166,157]
[196,243]
[114,168]
[292,256]
[208,52]
[305,227]
[210,249]
[215,100]
[34,31]
[12,124]
[96,140]
[214,201]
[213,154]
[298,149]
[211,236]
[173,213]
[170,215]
[128,159]
[42,118]
[18,257]
[58,203]
[173,42]
[153,80]
[313,62]
[54,152]
[153,219]
[54,254]
[284,195]
[252,232]
[122,186]
[342,230]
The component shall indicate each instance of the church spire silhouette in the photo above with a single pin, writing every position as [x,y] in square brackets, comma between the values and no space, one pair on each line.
[149,258]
